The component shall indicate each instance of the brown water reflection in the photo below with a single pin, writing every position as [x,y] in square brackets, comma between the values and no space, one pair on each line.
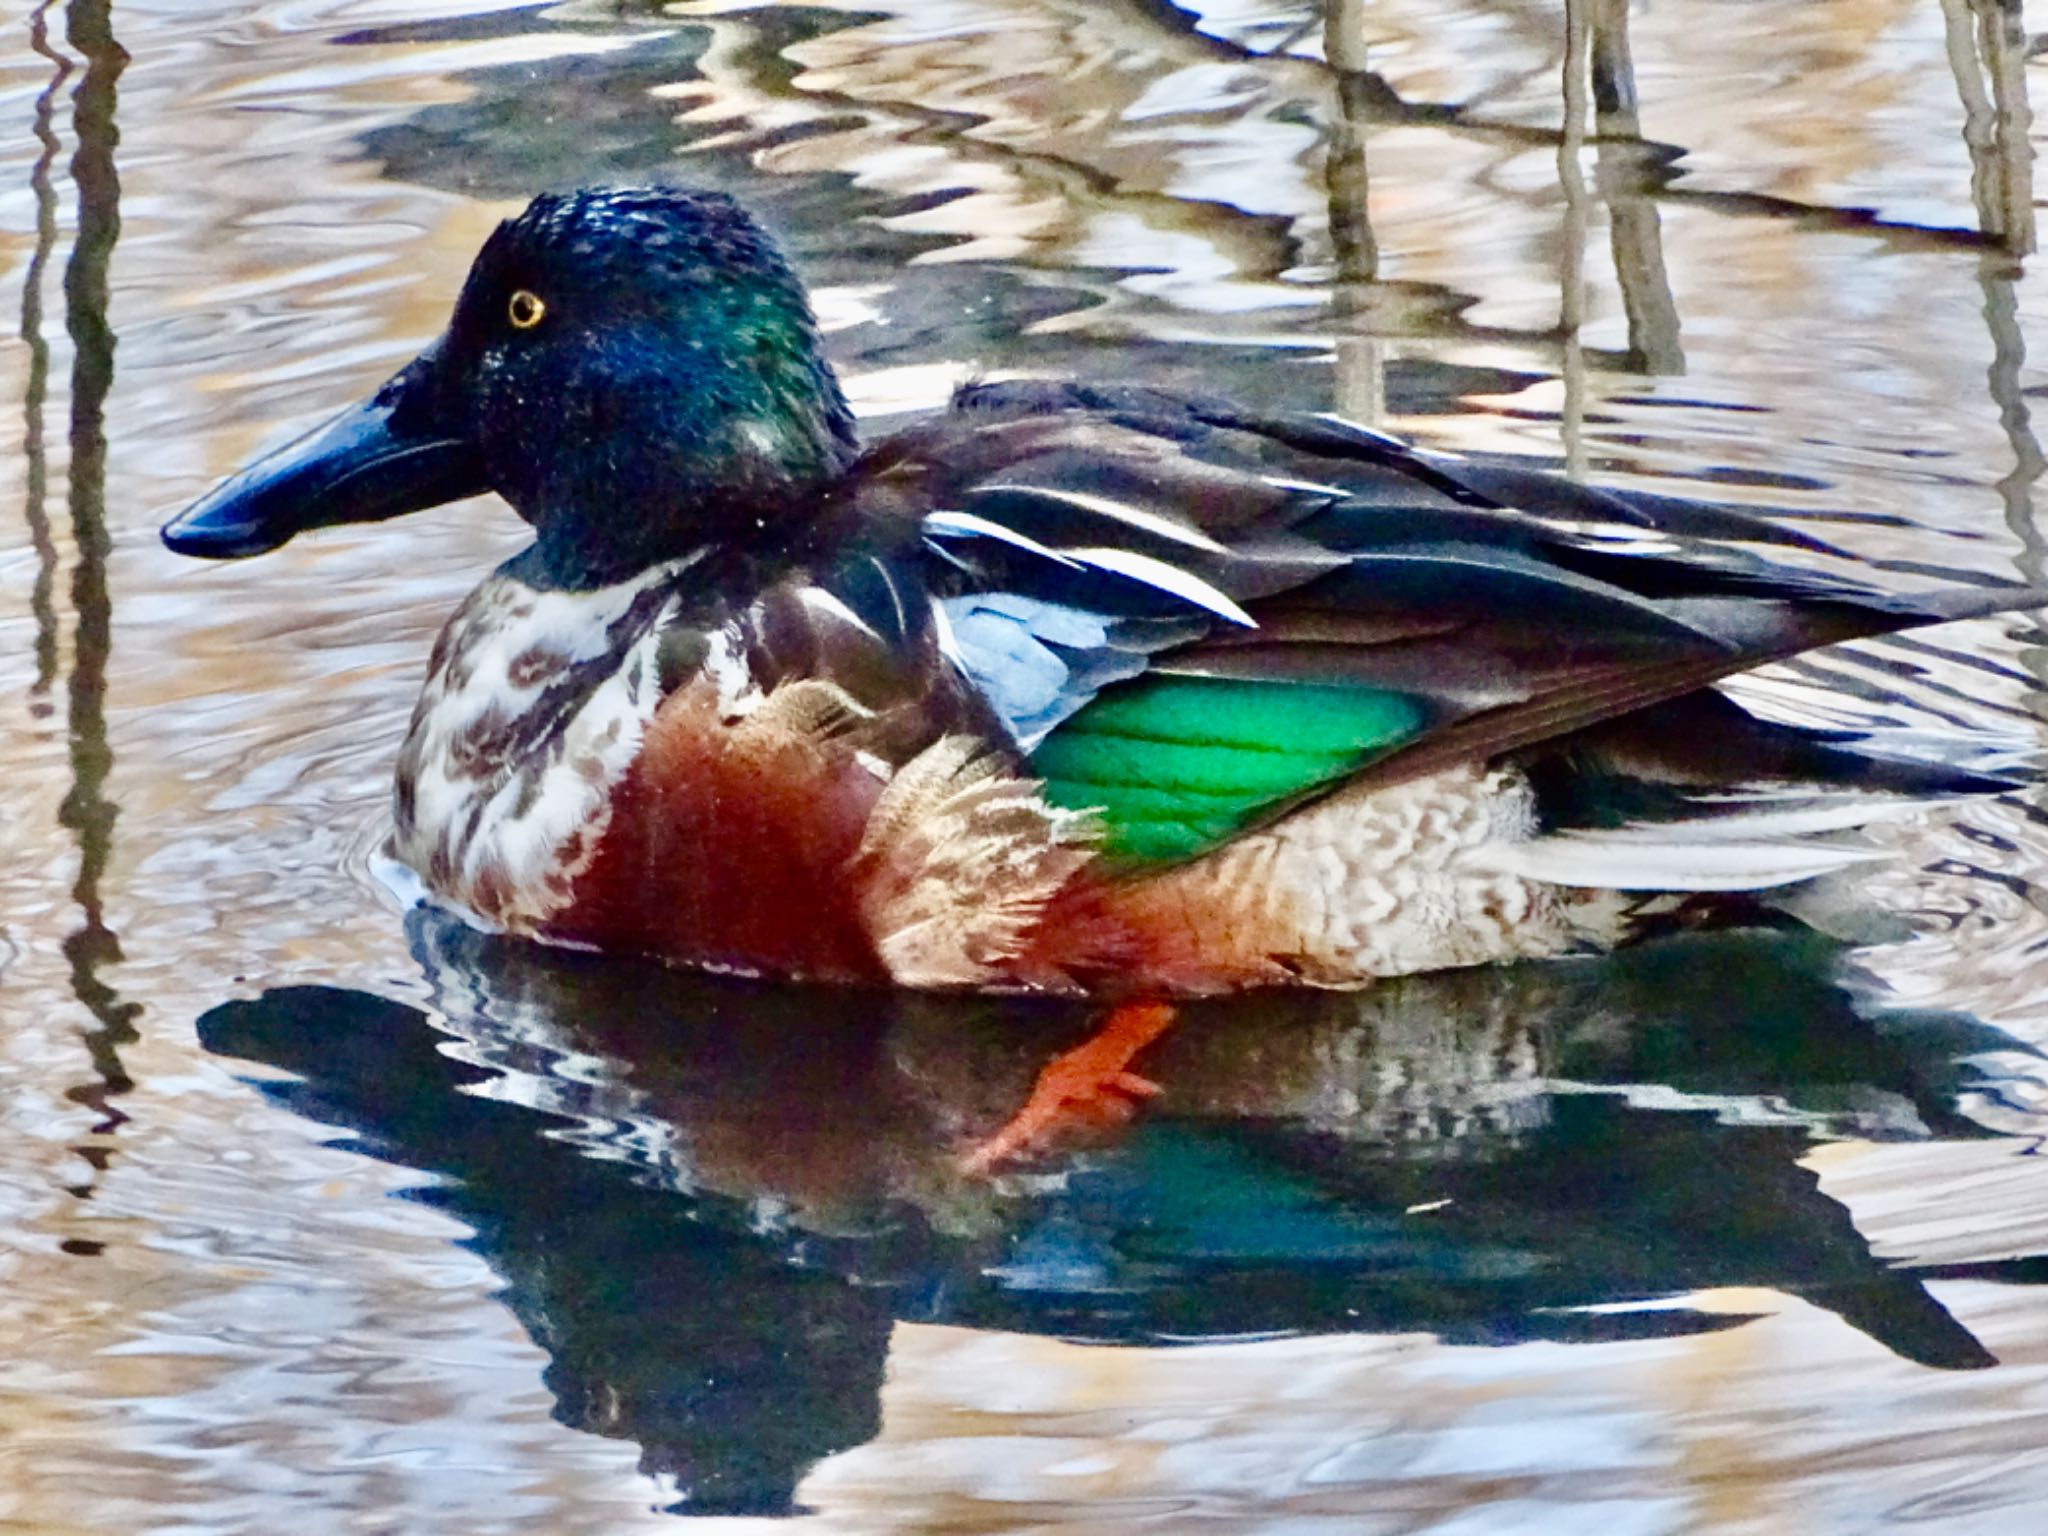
[1780,257]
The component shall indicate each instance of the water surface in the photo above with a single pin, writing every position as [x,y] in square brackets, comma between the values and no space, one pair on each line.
[321,1213]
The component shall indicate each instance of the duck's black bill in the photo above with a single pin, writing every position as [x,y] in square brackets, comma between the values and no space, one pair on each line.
[381,459]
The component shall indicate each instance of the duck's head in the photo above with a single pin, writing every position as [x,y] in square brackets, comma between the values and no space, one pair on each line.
[637,371]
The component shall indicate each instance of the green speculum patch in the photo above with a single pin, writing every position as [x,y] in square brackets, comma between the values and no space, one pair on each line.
[1176,765]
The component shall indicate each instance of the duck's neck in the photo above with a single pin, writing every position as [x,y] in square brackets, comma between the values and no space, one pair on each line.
[730,556]
[725,519]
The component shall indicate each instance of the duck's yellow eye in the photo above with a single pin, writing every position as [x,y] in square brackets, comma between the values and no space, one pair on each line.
[525,310]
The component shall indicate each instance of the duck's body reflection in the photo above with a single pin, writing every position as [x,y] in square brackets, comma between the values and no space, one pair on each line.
[710,1200]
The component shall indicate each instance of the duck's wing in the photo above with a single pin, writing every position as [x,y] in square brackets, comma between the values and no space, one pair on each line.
[1195,617]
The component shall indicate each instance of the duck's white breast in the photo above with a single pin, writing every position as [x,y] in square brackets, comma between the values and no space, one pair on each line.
[534,707]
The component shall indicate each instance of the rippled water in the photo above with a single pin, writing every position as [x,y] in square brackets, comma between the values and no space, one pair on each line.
[323,1217]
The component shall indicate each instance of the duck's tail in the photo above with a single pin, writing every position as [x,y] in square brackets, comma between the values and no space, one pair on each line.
[1698,795]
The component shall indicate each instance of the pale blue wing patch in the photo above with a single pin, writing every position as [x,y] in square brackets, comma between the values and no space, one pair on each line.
[1036,662]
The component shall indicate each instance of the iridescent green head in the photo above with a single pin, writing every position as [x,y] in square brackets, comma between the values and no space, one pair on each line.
[637,371]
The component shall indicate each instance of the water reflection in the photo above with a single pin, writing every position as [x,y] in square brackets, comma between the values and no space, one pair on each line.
[87,811]
[708,1200]
[1347,205]
[35,390]
[1986,46]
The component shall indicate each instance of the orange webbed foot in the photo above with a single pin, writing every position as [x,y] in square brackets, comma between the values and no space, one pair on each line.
[1091,1085]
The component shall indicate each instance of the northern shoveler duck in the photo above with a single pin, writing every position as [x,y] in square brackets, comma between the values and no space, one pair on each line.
[1075,687]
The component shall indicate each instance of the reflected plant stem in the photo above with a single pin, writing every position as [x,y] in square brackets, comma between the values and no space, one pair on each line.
[1571,316]
[1979,117]
[1624,169]
[1266,239]
[1658,158]
[86,810]
[2004,182]
[2005,48]
[35,507]
[2008,359]
[1986,42]
[1361,385]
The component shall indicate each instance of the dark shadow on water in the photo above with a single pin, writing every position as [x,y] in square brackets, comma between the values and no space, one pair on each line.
[710,1200]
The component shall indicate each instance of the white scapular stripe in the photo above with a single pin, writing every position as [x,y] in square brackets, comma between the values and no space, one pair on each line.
[1306,487]
[821,601]
[1167,578]
[1108,506]
[1372,433]
[942,630]
[965,525]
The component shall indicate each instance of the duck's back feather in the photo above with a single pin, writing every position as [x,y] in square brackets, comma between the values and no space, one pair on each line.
[1100,557]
